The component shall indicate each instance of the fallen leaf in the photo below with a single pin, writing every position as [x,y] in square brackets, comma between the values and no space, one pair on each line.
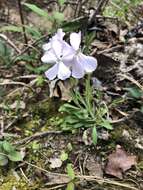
[55,163]
[119,162]
[52,178]
[56,179]
[60,89]
[94,167]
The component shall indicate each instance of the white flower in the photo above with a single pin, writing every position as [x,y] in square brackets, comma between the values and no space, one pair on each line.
[58,36]
[68,60]
[57,52]
[81,63]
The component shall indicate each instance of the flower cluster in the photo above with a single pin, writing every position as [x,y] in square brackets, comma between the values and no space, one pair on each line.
[67,59]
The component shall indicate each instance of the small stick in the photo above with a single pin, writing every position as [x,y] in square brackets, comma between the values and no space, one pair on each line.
[22,22]
[27,77]
[132,80]
[56,187]
[10,43]
[88,178]
[36,136]
[101,5]
[112,49]
[25,177]
[29,46]
[7,82]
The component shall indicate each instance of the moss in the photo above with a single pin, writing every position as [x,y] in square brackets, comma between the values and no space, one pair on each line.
[10,181]
[41,113]
[117,133]
[46,108]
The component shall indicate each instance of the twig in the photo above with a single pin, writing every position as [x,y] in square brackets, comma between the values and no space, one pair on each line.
[100,7]
[118,120]
[88,178]
[15,120]
[1,127]
[36,136]
[131,80]
[112,49]
[22,22]
[10,43]
[11,123]
[26,77]
[7,82]
[57,187]
[25,177]
[29,46]
[109,50]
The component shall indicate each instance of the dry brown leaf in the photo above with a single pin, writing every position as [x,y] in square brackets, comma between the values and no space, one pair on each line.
[61,89]
[56,179]
[119,162]
[94,167]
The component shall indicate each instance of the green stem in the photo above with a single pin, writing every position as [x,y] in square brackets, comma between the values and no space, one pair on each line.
[89,96]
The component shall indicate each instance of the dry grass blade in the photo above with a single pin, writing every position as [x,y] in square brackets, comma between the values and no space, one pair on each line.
[88,178]
[10,82]
[131,80]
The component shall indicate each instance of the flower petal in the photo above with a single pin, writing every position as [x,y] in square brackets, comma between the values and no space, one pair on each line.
[63,71]
[47,46]
[77,69]
[89,63]
[52,72]
[57,47]
[67,53]
[60,34]
[75,40]
[48,57]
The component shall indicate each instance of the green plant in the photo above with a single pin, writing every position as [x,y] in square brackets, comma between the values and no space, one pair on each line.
[5,53]
[134,92]
[85,111]
[56,18]
[8,152]
[71,174]
[136,95]
[124,10]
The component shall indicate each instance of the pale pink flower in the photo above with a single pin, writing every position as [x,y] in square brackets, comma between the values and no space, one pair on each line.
[81,63]
[68,60]
[57,52]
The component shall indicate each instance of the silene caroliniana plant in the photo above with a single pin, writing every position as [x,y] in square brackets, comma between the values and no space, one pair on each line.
[67,61]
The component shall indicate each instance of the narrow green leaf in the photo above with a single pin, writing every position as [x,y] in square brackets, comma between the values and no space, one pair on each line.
[68,108]
[70,171]
[33,31]
[70,186]
[11,28]
[103,111]
[94,135]
[37,10]
[106,124]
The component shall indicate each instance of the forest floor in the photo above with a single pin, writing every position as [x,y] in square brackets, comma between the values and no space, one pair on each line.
[53,158]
